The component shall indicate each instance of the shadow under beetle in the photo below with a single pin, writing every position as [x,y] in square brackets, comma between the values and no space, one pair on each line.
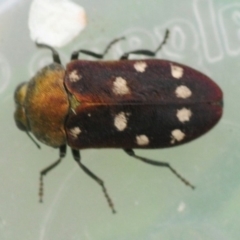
[124,104]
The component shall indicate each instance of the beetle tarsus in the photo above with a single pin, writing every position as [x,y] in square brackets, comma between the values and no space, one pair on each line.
[187,183]
[77,158]
[41,189]
[131,153]
[62,153]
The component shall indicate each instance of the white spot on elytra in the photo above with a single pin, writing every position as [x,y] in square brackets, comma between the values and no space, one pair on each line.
[183,92]
[74,112]
[74,77]
[177,135]
[177,72]
[142,140]
[120,86]
[140,66]
[75,131]
[120,121]
[184,115]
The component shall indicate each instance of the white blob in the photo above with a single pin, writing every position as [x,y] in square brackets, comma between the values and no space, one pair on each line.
[140,66]
[120,121]
[181,207]
[74,77]
[184,115]
[183,92]
[55,22]
[120,86]
[142,140]
[177,135]
[75,132]
[176,71]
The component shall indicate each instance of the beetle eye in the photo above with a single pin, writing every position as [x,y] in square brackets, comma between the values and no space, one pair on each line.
[20,118]
[20,125]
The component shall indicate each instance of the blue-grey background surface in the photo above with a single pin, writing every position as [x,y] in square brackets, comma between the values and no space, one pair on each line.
[151,202]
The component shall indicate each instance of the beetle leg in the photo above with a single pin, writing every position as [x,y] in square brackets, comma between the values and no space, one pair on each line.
[75,54]
[131,153]
[55,54]
[146,52]
[62,153]
[77,158]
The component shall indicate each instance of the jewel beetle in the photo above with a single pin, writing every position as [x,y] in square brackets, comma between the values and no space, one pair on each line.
[127,104]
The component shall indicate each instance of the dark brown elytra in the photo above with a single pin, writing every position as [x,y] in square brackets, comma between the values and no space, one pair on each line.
[124,104]
[150,105]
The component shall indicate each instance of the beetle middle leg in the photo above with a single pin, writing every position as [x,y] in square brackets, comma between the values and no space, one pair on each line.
[75,54]
[146,52]
[62,154]
[77,158]
[131,153]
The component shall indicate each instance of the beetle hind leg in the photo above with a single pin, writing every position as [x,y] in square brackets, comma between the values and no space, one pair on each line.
[62,153]
[147,52]
[131,153]
[77,158]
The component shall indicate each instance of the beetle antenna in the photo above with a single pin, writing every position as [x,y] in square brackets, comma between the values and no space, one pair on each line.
[55,54]
[38,146]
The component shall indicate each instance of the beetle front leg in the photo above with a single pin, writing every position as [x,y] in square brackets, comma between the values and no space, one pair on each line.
[77,158]
[131,153]
[62,154]
[55,54]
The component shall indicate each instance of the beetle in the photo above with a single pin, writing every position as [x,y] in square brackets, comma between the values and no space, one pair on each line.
[144,104]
